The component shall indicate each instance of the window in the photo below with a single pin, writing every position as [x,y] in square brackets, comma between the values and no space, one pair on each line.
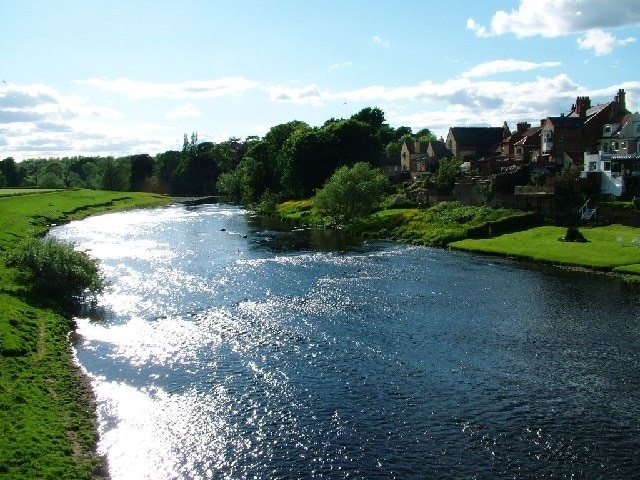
[606,166]
[607,129]
[623,145]
[614,146]
[592,166]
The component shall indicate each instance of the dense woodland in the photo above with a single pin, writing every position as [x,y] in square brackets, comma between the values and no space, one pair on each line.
[291,161]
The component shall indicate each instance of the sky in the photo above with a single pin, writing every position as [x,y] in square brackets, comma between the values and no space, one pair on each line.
[120,77]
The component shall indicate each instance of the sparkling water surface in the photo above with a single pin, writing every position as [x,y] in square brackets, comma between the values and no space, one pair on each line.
[227,348]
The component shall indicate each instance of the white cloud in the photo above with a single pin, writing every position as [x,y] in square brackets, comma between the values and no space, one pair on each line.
[381,41]
[340,65]
[601,42]
[554,18]
[183,111]
[56,125]
[310,94]
[503,66]
[479,30]
[189,89]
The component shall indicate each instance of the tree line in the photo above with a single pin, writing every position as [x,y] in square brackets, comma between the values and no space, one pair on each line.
[292,160]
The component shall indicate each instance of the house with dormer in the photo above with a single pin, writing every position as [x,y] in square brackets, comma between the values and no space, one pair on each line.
[419,158]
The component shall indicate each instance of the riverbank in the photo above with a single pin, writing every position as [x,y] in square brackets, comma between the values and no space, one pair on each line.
[47,420]
[612,248]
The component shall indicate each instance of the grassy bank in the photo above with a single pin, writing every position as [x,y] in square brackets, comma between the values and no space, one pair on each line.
[435,226]
[47,425]
[501,232]
[610,248]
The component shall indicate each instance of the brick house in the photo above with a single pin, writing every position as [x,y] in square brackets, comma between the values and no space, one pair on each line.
[568,137]
[527,147]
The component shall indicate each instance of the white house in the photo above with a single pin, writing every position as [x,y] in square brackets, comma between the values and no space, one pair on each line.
[618,156]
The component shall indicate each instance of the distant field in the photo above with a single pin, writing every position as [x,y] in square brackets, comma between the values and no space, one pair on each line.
[7,192]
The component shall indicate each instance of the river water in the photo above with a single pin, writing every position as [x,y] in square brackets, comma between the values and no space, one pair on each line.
[226,348]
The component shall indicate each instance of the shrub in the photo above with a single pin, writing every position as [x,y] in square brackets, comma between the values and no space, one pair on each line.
[55,270]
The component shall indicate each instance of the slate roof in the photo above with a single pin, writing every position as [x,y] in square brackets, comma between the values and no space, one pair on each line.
[531,136]
[477,136]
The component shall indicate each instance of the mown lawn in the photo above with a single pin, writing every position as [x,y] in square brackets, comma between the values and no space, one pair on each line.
[607,248]
[47,426]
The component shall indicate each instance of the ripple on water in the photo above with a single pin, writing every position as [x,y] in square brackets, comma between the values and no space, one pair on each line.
[216,357]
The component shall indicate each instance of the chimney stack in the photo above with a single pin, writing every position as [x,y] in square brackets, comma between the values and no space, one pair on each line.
[582,105]
[523,127]
[621,102]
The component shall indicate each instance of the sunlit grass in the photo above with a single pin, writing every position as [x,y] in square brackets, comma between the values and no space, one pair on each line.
[606,247]
[7,192]
[47,429]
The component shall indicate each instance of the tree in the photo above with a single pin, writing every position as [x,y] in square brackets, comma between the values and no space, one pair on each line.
[445,176]
[141,171]
[115,176]
[9,171]
[351,192]
[425,135]
[374,117]
[55,270]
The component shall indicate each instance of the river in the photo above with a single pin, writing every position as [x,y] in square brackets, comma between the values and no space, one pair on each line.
[227,348]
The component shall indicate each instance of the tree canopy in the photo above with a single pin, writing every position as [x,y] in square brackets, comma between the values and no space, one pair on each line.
[292,160]
[351,192]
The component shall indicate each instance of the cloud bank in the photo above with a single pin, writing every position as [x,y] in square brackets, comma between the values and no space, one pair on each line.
[555,18]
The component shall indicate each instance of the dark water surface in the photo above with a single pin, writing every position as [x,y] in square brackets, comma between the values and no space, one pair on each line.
[227,349]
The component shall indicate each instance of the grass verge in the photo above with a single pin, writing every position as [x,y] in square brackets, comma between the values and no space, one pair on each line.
[47,423]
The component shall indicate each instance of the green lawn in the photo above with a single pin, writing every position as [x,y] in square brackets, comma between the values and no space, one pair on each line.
[47,426]
[607,247]
[8,192]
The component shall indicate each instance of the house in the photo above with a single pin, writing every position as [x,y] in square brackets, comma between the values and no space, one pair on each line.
[618,159]
[418,157]
[473,143]
[568,137]
[527,147]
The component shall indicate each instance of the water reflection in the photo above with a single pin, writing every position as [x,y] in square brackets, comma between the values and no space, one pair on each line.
[232,349]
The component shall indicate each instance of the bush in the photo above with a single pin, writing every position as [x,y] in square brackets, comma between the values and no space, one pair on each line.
[55,270]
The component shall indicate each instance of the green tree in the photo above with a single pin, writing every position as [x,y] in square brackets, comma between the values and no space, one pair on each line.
[141,171]
[425,135]
[351,192]
[445,176]
[9,171]
[115,175]
[372,116]
[55,270]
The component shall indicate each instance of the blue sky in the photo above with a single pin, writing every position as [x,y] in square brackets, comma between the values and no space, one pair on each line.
[88,77]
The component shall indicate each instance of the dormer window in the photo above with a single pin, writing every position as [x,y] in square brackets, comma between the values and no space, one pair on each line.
[607,129]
